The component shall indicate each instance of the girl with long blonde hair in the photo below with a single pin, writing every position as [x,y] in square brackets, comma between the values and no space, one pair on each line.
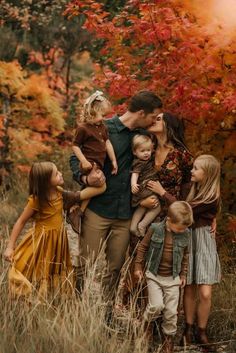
[204,266]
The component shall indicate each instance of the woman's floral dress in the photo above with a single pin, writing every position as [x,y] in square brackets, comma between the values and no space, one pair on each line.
[175,173]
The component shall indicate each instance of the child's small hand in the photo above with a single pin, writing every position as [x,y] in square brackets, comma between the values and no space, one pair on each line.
[8,254]
[135,188]
[115,167]
[86,166]
[182,282]
[213,228]
[138,274]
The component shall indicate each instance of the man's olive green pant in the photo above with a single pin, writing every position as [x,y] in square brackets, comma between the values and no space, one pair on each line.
[113,236]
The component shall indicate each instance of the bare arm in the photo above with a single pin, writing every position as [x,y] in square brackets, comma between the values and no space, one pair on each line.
[19,225]
[85,164]
[112,156]
[134,183]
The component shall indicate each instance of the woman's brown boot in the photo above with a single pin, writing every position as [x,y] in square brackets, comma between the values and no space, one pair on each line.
[188,335]
[202,339]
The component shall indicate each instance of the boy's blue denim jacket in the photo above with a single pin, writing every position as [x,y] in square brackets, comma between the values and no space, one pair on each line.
[155,250]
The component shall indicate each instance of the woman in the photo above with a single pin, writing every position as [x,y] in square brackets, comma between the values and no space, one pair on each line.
[173,163]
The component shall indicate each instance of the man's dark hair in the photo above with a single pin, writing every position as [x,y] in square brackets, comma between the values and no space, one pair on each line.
[144,100]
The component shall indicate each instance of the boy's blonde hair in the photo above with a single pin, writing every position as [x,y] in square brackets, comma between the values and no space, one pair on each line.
[209,189]
[138,140]
[95,104]
[180,212]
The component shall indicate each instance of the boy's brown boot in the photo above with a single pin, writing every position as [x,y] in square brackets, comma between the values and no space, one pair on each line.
[167,344]
[203,340]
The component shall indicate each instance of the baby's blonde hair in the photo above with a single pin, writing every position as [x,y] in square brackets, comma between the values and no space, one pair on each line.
[209,189]
[95,104]
[180,212]
[138,140]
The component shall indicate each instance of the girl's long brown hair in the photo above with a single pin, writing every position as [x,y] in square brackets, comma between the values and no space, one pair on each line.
[39,181]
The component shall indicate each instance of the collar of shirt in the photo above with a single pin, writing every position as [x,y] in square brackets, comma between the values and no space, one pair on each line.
[119,125]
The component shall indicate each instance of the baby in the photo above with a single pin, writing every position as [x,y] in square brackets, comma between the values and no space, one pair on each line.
[142,171]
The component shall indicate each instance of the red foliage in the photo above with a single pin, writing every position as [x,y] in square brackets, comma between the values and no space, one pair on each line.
[159,45]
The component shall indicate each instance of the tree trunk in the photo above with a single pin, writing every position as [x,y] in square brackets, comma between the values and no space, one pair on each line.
[5,163]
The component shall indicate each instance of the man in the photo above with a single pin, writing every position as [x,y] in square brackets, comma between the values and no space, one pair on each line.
[107,217]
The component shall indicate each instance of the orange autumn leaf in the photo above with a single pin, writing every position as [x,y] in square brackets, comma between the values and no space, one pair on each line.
[40,124]
[23,168]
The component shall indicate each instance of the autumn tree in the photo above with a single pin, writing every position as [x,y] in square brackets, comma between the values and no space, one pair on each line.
[41,77]
[30,117]
[43,40]
[165,47]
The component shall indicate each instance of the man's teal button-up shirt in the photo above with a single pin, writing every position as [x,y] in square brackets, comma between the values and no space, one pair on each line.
[115,202]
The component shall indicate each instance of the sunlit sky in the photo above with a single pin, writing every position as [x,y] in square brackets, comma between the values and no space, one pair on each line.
[218,18]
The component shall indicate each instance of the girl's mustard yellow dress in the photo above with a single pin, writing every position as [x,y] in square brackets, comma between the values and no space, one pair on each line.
[41,261]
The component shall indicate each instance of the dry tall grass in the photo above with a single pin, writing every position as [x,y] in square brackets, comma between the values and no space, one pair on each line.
[69,325]
[64,324]
[78,324]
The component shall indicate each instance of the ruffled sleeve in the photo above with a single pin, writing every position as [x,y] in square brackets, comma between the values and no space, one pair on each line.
[80,135]
[137,166]
[105,132]
[33,203]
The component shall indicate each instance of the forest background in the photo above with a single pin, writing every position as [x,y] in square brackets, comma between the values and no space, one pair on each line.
[54,53]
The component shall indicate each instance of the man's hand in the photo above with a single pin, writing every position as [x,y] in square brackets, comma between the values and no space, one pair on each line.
[150,202]
[95,177]
[134,188]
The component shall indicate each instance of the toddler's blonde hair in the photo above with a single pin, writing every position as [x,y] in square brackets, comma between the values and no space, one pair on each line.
[95,104]
[180,212]
[139,140]
[209,189]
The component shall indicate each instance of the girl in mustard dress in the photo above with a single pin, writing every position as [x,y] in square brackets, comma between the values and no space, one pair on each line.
[41,262]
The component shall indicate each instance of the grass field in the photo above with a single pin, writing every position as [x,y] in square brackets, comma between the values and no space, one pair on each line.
[69,325]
